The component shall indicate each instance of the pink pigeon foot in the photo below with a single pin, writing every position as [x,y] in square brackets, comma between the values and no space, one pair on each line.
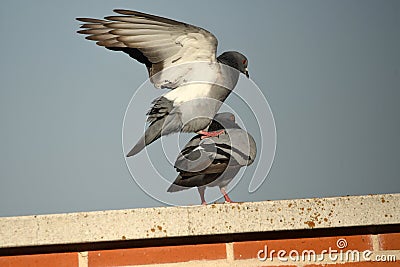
[227,199]
[201,192]
[206,134]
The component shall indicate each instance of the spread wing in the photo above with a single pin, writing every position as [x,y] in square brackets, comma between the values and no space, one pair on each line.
[235,148]
[201,156]
[157,42]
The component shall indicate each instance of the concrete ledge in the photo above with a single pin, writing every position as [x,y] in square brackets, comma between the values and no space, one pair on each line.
[150,223]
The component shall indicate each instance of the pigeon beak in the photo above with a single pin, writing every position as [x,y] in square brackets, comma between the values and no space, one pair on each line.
[246,72]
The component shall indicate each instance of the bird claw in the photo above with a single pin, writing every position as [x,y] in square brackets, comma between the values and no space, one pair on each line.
[206,134]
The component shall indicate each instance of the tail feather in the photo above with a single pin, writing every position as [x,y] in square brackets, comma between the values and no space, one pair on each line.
[168,124]
[152,133]
[175,187]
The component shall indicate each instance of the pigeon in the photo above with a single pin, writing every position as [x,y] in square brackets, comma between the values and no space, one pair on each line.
[178,56]
[214,161]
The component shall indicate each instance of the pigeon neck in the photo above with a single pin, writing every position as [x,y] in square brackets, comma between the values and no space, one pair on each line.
[220,125]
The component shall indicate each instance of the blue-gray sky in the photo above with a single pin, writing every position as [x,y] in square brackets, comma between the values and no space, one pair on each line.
[329,69]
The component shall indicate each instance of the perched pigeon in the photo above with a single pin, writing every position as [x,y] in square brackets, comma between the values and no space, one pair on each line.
[214,161]
[178,56]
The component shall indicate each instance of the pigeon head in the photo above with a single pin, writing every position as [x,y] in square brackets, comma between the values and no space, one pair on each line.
[235,60]
[224,116]
[223,120]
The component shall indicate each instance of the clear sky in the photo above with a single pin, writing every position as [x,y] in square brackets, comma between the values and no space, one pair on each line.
[330,71]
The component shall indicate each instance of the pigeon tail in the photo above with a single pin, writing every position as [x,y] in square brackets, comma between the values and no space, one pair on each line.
[175,187]
[152,133]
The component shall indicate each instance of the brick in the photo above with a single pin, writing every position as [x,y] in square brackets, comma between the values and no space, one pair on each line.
[249,249]
[389,241]
[41,260]
[358,264]
[153,255]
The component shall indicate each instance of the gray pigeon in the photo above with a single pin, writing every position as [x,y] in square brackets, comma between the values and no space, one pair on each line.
[178,56]
[214,161]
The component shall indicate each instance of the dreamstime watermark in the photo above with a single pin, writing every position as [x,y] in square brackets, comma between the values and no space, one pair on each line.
[337,254]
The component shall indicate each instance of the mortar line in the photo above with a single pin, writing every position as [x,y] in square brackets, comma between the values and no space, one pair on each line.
[229,252]
[375,243]
[83,259]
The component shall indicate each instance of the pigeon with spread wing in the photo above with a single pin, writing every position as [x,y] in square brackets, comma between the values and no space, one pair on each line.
[178,56]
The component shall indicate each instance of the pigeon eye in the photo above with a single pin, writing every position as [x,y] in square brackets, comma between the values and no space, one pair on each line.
[244,61]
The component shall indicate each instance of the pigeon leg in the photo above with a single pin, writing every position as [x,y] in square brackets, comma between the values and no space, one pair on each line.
[201,190]
[206,134]
[227,199]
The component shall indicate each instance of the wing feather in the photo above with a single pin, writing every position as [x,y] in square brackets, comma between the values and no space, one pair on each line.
[93,26]
[94,31]
[135,20]
[112,43]
[160,42]
[148,16]
[91,20]
[124,25]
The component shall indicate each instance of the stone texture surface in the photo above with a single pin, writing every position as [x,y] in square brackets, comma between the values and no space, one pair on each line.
[245,217]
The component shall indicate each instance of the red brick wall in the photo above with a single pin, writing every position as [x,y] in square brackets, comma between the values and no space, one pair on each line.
[222,254]
[45,260]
